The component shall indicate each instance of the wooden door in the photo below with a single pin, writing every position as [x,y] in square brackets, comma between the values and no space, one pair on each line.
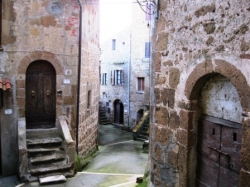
[40,95]
[218,153]
[118,112]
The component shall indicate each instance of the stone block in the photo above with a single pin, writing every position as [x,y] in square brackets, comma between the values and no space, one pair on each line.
[158,153]
[161,116]
[168,97]
[162,41]
[162,5]
[244,178]
[174,77]
[174,120]
[162,135]
[186,119]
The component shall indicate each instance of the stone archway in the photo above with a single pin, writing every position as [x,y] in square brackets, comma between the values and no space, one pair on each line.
[194,84]
[21,75]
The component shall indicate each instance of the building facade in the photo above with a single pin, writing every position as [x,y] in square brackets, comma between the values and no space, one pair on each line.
[44,45]
[200,119]
[125,69]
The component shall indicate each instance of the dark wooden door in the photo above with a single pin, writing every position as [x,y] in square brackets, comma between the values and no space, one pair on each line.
[218,153]
[40,95]
[118,114]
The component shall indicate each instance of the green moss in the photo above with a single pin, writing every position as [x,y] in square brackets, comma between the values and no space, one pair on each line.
[145,182]
[82,162]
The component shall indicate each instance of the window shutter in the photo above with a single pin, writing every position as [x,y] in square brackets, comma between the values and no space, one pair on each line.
[101,79]
[114,79]
[122,77]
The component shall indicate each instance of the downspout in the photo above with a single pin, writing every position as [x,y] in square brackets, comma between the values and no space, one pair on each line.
[79,74]
[129,76]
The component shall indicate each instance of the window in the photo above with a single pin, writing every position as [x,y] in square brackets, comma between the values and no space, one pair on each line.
[140,84]
[117,77]
[147,49]
[113,44]
[104,79]
[89,99]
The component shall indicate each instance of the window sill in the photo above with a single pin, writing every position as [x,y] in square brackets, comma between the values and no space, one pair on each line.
[140,92]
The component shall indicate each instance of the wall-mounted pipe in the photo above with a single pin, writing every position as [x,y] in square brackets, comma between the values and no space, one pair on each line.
[79,74]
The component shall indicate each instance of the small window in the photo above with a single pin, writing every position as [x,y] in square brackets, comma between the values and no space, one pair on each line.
[113,44]
[104,79]
[117,77]
[89,99]
[140,84]
[147,49]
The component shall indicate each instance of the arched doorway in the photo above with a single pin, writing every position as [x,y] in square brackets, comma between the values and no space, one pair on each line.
[40,106]
[118,112]
[219,134]
[139,115]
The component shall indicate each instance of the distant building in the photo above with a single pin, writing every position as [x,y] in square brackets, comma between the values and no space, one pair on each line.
[41,87]
[124,78]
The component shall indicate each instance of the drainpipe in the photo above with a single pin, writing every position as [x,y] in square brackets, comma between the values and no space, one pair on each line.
[79,73]
[129,76]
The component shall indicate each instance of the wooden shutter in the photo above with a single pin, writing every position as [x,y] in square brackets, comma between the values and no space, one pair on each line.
[122,77]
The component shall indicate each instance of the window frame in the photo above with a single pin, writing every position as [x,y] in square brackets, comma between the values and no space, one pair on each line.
[140,84]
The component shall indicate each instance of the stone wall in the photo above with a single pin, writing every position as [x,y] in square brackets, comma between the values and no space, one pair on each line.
[140,65]
[49,30]
[193,42]
[88,115]
[118,59]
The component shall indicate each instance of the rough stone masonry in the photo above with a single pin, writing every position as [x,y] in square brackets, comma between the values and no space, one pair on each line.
[200,48]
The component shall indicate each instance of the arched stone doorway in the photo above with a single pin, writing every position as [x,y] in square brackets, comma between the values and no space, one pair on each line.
[219,134]
[118,112]
[40,107]
[191,113]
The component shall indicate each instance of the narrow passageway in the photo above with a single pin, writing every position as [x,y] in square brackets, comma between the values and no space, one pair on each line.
[119,162]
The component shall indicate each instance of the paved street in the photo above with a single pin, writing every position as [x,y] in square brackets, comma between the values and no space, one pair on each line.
[120,162]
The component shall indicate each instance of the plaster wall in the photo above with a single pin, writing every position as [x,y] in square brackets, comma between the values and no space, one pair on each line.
[194,41]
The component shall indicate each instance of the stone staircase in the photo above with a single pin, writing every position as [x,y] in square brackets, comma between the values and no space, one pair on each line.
[141,130]
[103,120]
[46,155]
[50,155]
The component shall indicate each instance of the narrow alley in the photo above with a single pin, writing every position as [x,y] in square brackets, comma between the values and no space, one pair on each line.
[119,162]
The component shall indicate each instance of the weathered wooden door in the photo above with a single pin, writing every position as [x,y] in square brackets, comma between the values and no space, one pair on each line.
[40,95]
[218,153]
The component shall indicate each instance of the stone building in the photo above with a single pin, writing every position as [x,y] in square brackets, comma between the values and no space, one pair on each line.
[51,60]
[200,119]
[125,64]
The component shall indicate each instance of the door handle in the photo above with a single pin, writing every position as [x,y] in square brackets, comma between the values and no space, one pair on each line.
[33,93]
[48,93]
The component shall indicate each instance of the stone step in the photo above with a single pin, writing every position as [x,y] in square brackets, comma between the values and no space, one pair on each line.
[41,133]
[56,140]
[50,169]
[48,158]
[42,150]
[52,179]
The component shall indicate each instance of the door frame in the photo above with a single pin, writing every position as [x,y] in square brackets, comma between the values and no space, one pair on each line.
[40,94]
[121,120]
[190,114]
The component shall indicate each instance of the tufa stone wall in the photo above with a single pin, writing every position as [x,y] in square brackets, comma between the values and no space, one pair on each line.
[194,41]
[49,30]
